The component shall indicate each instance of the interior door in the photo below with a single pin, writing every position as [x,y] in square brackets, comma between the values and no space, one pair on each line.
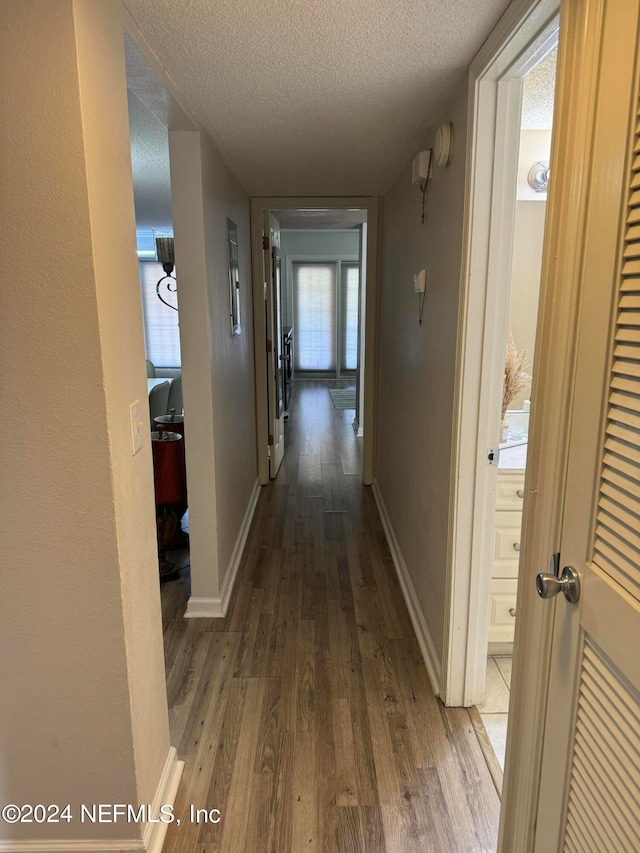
[275,362]
[590,785]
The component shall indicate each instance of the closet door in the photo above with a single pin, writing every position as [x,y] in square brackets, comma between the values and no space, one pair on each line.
[590,786]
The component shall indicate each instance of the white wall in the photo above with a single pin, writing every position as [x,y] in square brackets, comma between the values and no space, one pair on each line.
[218,374]
[416,367]
[535,147]
[85,715]
[525,280]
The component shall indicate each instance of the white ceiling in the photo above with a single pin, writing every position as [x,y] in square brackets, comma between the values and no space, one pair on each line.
[150,166]
[316,98]
[538,94]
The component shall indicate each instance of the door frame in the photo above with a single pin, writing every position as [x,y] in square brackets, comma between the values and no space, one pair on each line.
[495,106]
[272,258]
[372,206]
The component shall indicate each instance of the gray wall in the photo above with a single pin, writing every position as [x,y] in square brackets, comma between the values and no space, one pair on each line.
[85,713]
[416,366]
[218,370]
[232,368]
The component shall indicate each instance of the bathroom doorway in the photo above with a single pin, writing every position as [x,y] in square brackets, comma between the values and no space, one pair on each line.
[533,172]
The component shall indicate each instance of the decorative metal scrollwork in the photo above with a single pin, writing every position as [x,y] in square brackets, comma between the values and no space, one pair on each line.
[166,257]
[171,285]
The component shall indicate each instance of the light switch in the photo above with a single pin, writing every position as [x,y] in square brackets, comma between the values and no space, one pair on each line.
[137,427]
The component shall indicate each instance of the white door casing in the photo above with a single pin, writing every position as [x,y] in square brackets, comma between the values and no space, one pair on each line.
[273,325]
[590,781]
[524,35]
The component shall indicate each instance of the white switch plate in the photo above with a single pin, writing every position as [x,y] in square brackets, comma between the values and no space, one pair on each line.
[137,427]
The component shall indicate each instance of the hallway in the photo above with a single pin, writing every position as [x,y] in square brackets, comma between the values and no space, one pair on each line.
[305,715]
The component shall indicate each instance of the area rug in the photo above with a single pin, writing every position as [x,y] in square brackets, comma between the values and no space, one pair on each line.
[343,398]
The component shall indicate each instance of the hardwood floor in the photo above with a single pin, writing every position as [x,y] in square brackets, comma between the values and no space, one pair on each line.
[305,715]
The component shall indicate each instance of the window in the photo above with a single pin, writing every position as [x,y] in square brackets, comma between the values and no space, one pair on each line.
[326,300]
[161,331]
[349,316]
[314,298]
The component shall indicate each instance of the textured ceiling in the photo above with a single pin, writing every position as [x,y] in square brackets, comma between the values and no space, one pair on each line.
[538,93]
[324,219]
[316,98]
[150,166]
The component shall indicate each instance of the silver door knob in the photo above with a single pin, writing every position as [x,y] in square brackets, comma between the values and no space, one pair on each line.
[568,583]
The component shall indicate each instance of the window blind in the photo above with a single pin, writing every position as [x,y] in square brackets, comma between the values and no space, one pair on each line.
[161,331]
[349,315]
[314,298]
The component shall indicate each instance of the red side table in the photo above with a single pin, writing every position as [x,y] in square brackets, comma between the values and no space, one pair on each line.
[170,489]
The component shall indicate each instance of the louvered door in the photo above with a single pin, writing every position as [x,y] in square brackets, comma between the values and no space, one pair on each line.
[590,787]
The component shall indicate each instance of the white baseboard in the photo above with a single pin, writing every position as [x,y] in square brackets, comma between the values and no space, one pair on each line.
[154,833]
[90,845]
[500,649]
[152,838]
[217,607]
[203,608]
[431,660]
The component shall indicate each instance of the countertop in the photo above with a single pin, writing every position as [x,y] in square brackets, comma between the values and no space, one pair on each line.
[513,457]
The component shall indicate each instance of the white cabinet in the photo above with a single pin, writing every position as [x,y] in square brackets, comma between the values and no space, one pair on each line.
[506,555]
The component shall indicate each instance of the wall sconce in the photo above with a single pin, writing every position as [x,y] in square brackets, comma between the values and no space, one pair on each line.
[538,177]
[422,175]
[420,285]
[165,256]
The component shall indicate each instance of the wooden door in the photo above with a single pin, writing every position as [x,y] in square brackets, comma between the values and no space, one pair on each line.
[589,796]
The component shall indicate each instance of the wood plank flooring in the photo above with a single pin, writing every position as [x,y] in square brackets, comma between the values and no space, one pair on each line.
[305,715]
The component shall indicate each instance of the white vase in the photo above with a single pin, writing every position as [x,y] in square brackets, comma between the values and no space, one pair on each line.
[504,432]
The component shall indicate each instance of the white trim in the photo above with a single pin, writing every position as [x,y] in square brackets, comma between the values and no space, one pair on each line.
[132,845]
[492,149]
[204,608]
[236,557]
[500,649]
[425,641]
[152,837]
[198,608]
[154,833]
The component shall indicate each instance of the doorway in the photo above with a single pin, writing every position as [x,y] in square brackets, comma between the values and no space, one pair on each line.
[534,151]
[163,412]
[303,278]
[484,555]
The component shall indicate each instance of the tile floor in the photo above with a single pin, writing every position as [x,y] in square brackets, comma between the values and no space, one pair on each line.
[493,710]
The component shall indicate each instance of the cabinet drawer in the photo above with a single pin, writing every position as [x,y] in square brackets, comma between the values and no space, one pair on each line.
[506,544]
[510,492]
[502,611]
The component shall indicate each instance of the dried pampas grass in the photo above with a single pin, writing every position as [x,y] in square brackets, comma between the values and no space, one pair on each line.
[516,379]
